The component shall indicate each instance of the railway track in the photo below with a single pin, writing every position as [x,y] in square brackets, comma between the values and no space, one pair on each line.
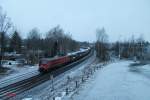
[11,90]
[24,76]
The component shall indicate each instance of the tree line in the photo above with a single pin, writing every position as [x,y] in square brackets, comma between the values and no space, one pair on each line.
[55,42]
[134,48]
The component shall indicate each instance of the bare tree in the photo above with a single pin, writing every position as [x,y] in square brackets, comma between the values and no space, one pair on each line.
[101,35]
[5,25]
[101,44]
[33,44]
[134,48]
[33,39]
[140,47]
[60,43]
[54,40]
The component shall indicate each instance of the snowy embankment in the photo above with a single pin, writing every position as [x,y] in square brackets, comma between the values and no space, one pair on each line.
[116,81]
[18,74]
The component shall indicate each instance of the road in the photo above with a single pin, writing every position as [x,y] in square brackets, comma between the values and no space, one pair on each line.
[117,81]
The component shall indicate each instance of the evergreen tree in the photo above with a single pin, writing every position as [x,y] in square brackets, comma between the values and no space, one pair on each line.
[16,42]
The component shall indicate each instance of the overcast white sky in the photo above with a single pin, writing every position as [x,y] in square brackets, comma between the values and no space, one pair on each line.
[121,18]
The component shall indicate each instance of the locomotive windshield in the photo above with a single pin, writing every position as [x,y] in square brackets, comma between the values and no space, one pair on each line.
[43,62]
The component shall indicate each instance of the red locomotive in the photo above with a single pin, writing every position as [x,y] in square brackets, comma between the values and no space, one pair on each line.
[47,64]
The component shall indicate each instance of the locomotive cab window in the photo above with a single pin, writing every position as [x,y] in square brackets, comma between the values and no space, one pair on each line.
[43,61]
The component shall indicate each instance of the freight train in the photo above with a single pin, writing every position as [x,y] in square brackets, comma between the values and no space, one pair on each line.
[49,64]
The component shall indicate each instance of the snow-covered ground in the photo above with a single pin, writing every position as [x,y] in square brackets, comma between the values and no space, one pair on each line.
[117,81]
[17,74]
[42,91]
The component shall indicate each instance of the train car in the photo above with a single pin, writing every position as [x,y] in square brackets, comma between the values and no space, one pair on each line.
[47,64]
